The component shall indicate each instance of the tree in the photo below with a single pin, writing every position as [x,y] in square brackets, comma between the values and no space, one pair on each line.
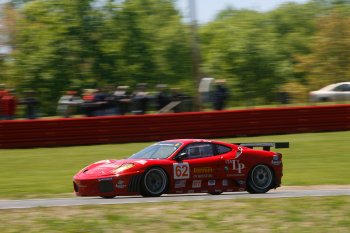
[67,44]
[240,46]
[54,48]
[147,41]
[329,59]
[9,17]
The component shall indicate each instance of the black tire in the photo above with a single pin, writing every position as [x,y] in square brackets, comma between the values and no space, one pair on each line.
[215,193]
[154,182]
[260,180]
[108,197]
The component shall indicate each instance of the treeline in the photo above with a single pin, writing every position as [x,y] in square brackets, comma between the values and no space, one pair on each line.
[75,44]
[293,49]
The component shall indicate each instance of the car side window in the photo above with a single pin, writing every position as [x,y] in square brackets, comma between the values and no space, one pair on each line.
[347,87]
[222,149]
[343,87]
[199,150]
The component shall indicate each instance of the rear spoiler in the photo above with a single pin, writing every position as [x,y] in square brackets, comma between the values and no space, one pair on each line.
[265,145]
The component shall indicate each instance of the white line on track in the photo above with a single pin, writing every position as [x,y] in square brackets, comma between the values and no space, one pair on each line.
[79,201]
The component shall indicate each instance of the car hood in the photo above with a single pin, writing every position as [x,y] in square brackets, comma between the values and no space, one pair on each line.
[105,168]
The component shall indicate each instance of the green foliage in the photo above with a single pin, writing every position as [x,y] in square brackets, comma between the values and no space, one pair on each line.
[146,42]
[256,50]
[296,92]
[55,48]
[329,59]
[67,44]
[235,48]
[260,54]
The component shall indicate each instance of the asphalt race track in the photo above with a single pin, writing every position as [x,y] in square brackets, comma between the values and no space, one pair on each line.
[78,201]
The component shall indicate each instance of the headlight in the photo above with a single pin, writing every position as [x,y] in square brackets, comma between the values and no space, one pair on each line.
[124,167]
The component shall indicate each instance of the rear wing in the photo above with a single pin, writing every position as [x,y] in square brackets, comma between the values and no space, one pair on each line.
[265,145]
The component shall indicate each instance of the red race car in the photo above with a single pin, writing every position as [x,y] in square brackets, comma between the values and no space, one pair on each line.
[185,166]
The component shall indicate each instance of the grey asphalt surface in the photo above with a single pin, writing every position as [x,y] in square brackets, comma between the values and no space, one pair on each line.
[79,201]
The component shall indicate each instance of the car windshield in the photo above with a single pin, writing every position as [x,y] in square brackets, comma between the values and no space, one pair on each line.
[329,87]
[160,150]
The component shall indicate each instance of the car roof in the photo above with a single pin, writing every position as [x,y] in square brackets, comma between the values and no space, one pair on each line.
[187,141]
[331,86]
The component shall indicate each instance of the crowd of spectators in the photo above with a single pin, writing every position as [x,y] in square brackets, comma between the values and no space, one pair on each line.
[121,101]
[108,101]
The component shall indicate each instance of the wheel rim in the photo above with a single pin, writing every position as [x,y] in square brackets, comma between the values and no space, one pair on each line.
[155,181]
[261,177]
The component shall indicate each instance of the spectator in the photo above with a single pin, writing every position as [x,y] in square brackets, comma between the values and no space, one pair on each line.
[122,99]
[31,103]
[9,105]
[176,99]
[88,102]
[88,95]
[110,106]
[175,94]
[100,102]
[68,103]
[162,97]
[140,99]
[205,89]
[220,94]
[2,94]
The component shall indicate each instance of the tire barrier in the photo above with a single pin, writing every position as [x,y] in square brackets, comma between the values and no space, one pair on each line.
[156,127]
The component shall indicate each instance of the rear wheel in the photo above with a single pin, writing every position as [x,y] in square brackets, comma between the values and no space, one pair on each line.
[260,179]
[154,182]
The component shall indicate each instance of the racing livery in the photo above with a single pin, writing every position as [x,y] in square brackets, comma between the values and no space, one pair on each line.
[185,166]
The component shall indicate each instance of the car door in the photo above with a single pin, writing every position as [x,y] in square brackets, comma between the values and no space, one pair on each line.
[342,92]
[347,92]
[199,169]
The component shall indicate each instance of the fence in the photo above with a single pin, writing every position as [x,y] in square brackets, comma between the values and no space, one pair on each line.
[155,127]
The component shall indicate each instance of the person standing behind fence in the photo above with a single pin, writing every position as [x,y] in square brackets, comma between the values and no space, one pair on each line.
[163,96]
[88,102]
[140,99]
[100,102]
[220,95]
[31,103]
[68,103]
[3,92]
[9,105]
[122,99]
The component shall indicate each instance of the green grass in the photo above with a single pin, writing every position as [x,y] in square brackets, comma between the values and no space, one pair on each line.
[285,215]
[312,159]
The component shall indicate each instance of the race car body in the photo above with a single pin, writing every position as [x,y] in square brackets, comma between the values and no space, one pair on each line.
[185,166]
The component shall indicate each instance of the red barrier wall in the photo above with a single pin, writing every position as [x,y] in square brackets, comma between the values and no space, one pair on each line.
[155,127]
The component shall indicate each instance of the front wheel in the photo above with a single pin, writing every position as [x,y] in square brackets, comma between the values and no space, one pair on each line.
[324,99]
[260,179]
[154,182]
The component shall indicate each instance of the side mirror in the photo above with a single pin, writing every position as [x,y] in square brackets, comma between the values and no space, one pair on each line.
[181,156]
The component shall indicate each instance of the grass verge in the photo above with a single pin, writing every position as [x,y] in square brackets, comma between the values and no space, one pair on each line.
[310,214]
